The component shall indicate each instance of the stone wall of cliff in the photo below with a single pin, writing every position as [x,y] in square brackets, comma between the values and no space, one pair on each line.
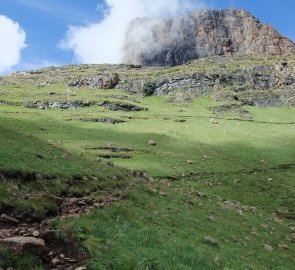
[170,42]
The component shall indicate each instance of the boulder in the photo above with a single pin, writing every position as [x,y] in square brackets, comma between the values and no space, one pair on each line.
[8,219]
[103,81]
[152,142]
[18,245]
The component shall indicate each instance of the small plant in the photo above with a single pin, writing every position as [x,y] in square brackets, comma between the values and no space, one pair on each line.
[6,259]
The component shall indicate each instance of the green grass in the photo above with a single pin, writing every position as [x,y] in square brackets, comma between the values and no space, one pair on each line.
[21,262]
[35,160]
[162,224]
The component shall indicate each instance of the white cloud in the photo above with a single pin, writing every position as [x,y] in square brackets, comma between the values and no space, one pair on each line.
[103,42]
[12,42]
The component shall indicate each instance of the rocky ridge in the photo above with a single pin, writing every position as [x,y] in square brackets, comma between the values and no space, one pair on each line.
[235,80]
[170,42]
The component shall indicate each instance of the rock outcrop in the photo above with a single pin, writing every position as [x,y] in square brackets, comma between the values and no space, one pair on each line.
[107,81]
[170,42]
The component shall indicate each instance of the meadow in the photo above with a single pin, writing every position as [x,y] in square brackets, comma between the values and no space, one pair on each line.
[220,191]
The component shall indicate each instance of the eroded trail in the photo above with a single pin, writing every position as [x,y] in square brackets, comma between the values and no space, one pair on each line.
[56,249]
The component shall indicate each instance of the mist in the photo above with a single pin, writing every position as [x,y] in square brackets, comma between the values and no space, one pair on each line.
[103,42]
[12,43]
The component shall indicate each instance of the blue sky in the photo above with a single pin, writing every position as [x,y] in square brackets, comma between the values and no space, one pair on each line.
[46,24]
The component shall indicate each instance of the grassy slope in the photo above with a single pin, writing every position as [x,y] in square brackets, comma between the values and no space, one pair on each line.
[35,160]
[162,223]
[149,231]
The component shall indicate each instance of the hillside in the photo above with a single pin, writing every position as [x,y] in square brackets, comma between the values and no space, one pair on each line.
[131,167]
[175,41]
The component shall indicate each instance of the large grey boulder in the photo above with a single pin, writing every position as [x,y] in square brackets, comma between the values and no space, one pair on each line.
[19,245]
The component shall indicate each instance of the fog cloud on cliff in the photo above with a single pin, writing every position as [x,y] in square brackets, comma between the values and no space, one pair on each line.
[12,42]
[103,42]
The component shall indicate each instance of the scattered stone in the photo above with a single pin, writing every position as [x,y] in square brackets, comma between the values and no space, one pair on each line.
[240,212]
[232,205]
[265,226]
[18,245]
[121,106]
[81,268]
[214,122]
[8,219]
[279,67]
[212,218]
[109,120]
[36,233]
[82,203]
[201,194]
[211,241]
[207,183]
[152,142]
[190,162]
[146,175]
[29,104]
[180,120]
[111,164]
[108,156]
[283,246]
[55,261]
[278,220]
[105,81]
[292,227]
[268,247]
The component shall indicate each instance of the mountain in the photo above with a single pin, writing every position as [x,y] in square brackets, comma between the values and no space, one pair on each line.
[170,42]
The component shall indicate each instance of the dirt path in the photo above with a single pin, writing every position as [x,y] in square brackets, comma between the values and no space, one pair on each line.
[58,252]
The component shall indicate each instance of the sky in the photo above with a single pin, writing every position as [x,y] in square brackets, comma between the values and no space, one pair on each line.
[38,33]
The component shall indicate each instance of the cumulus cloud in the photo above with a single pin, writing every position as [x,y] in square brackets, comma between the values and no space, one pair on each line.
[12,42]
[103,42]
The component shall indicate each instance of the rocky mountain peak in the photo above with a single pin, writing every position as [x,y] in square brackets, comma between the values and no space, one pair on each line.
[175,41]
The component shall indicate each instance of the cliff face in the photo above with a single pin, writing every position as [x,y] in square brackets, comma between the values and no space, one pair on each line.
[170,42]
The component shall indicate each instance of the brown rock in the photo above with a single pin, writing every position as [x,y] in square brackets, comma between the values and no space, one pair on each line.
[110,81]
[55,261]
[102,81]
[268,247]
[201,194]
[152,142]
[283,246]
[212,218]
[232,205]
[81,268]
[36,233]
[18,245]
[211,241]
[8,219]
